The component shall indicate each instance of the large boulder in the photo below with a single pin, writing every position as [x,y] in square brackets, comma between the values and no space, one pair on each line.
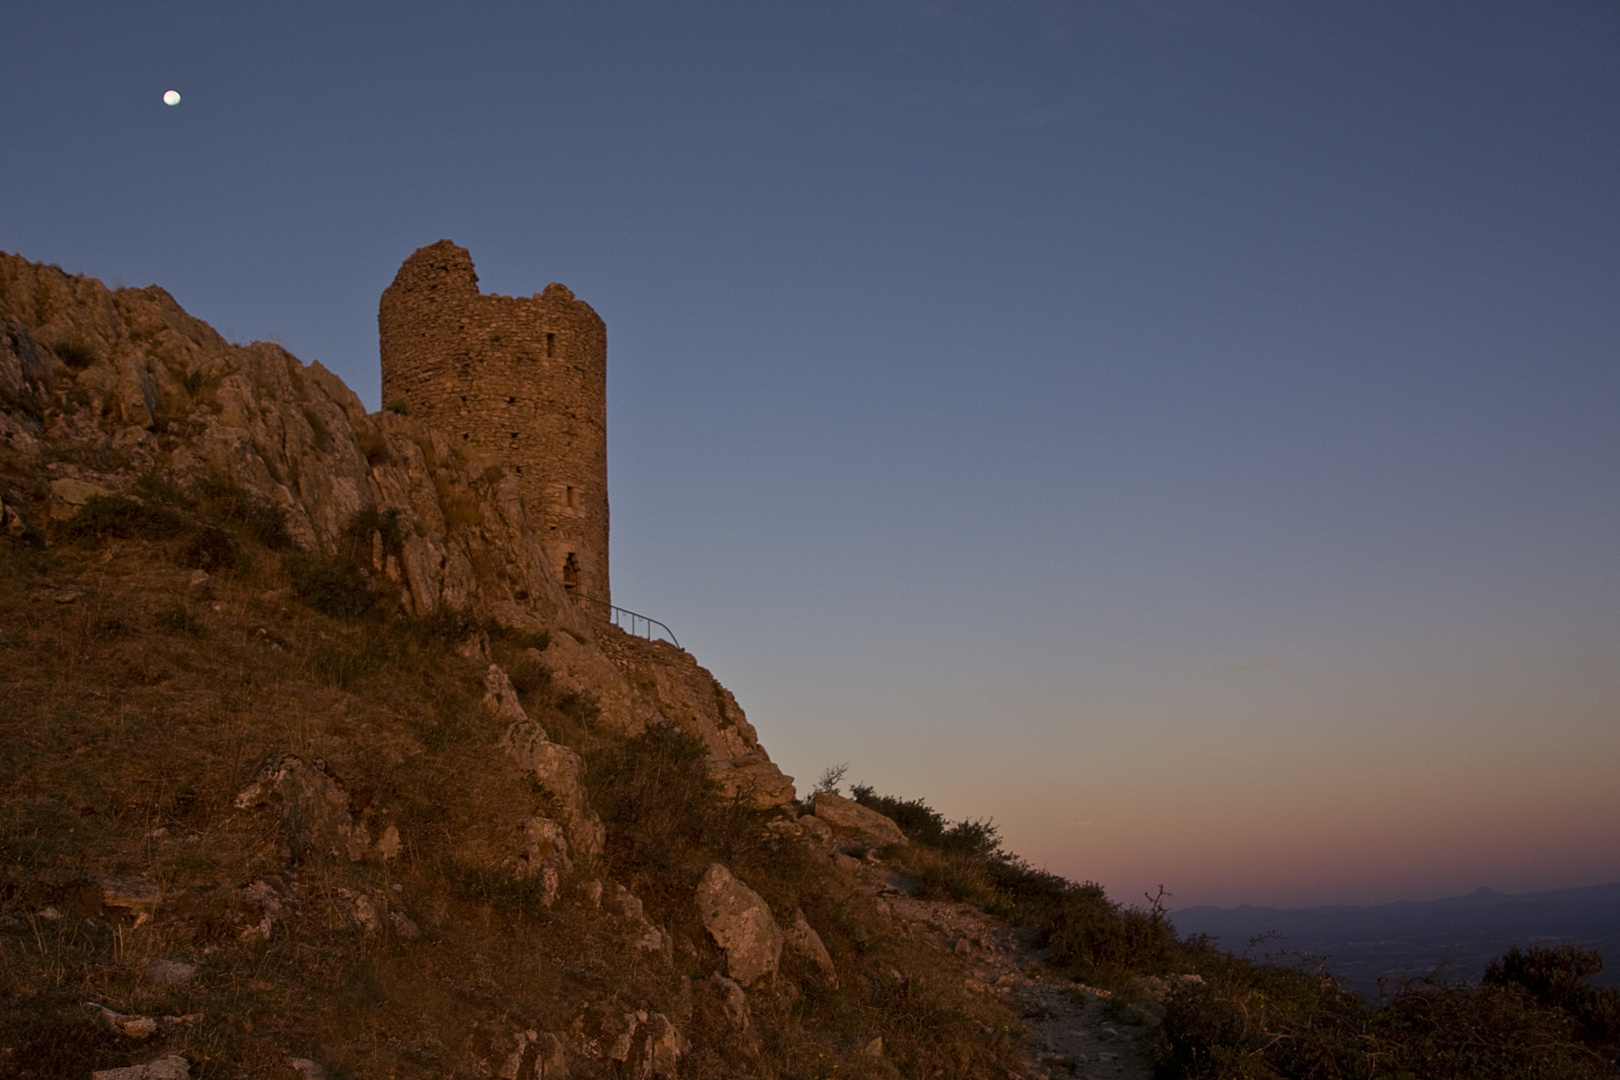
[850,819]
[801,942]
[173,1067]
[741,923]
[313,808]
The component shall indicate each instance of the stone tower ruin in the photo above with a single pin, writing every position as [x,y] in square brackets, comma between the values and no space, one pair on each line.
[518,380]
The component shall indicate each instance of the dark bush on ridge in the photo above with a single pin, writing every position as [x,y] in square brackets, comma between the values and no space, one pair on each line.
[124,518]
[1557,979]
[1088,933]
[211,548]
[1263,1020]
[230,504]
[335,587]
[922,824]
[384,523]
[75,354]
[666,819]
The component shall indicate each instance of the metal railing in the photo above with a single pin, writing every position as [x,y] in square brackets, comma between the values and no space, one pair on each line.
[618,616]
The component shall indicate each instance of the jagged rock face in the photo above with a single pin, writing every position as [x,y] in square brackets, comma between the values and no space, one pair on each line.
[560,773]
[99,388]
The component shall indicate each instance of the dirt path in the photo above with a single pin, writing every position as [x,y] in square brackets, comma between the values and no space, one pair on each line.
[1071,1030]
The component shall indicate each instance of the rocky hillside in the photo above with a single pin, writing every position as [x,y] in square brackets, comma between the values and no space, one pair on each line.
[310,767]
[105,391]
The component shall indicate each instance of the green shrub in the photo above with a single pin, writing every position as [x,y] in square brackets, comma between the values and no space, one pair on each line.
[365,522]
[124,518]
[398,406]
[335,587]
[446,626]
[1089,933]
[666,819]
[922,824]
[231,505]
[522,639]
[211,548]
[75,354]
[1558,979]
[1266,1020]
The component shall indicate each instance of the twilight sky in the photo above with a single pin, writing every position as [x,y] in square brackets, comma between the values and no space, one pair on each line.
[1186,432]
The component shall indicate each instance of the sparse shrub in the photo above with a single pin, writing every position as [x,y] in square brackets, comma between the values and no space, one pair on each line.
[211,548]
[922,824]
[75,354]
[374,446]
[666,819]
[522,639]
[398,406]
[446,626]
[231,505]
[1265,1020]
[578,708]
[365,522]
[1089,933]
[951,877]
[335,587]
[125,518]
[530,676]
[193,382]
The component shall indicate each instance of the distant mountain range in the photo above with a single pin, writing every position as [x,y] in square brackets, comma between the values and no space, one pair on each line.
[1454,938]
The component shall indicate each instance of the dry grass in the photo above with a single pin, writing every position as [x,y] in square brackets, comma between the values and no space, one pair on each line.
[138,706]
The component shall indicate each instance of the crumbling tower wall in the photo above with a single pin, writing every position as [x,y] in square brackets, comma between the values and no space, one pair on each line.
[520,380]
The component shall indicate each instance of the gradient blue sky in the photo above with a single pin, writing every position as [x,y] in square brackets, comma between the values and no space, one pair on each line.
[1188,433]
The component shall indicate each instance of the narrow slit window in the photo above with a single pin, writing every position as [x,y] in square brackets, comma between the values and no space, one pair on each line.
[568,497]
[571,572]
[551,344]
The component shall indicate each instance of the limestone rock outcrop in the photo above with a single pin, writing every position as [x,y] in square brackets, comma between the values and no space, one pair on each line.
[171,1067]
[741,923]
[847,818]
[561,776]
[801,941]
[312,807]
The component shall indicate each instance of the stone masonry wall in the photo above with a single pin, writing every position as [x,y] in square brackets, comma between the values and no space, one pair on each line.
[521,381]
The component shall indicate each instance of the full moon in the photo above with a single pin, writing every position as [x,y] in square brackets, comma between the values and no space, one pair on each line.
[171,97]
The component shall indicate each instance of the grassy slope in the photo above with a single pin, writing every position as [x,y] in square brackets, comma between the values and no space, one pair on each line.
[136,708]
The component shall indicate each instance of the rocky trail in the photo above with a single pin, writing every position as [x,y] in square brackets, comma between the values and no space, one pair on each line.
[1070,1030]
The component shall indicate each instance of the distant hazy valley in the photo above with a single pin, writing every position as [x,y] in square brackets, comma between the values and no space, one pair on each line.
[1454,937]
